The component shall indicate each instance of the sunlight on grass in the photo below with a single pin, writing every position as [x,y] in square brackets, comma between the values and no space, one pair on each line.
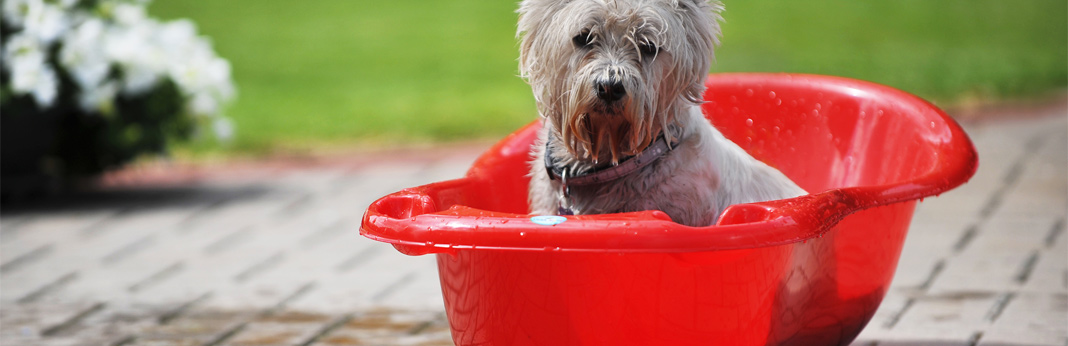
[392,72]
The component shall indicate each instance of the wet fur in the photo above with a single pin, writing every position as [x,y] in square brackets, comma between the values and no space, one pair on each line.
[704,174]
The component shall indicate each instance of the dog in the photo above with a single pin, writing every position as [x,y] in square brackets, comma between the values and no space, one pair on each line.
[618,85]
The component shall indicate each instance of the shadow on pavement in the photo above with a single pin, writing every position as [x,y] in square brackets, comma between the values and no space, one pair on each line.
[140,197]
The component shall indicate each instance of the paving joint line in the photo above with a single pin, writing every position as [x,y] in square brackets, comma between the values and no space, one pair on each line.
[157,277]
[97,226]
[1000,303]
[227,334]
[237,328]
[228,241]
[393,287]
[297,294]
[295,206]
[936,270]
[966,238]
[974,339]
[328,328]
[929,280]
[331,230]
[180,310]
[27,257]
[123,341]
[359,258]
[1011,177]
[419,328]
[129,249]
[1027,268]
[186,224]
[1055,232]
[48,288]
[260,267]
[896,317]
[73,320]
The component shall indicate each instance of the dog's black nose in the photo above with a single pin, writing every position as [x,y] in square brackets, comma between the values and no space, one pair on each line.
[610,90]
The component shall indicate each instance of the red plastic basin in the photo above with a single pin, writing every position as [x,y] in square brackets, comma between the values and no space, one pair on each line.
[804,271]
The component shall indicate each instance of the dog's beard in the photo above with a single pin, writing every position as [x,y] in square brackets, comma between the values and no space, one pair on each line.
[593,129]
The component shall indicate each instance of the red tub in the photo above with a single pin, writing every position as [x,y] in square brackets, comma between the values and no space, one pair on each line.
[804,271]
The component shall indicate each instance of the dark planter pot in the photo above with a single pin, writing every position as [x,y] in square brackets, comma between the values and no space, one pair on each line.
[26,141]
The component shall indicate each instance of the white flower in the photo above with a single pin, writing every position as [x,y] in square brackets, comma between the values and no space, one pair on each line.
[45,21]
[224,128]
[100,98]
[207,78]
[142,62]
[128,14]
[29,72]
[15,11]
[115,35]
[203,103]
[83,54]
[67,4]
[47,87]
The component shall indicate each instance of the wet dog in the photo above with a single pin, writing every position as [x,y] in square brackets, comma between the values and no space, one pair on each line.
[618,84]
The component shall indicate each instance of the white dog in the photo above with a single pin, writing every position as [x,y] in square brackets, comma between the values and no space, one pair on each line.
[619,85]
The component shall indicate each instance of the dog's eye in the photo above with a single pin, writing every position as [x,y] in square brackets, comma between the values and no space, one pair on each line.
[648,49]
[583,39]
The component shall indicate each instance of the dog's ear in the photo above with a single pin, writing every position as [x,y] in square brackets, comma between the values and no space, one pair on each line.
[534,17]
[702,38]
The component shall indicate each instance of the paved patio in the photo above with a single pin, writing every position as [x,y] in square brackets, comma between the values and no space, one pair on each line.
[267,255]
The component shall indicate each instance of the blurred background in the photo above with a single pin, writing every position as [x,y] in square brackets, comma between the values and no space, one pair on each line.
[230,147]
[276,78]
[316,75]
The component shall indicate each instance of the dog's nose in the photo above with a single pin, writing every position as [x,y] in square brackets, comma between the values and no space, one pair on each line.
[610,90]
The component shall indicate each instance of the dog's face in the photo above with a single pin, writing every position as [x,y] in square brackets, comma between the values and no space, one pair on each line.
[609,75]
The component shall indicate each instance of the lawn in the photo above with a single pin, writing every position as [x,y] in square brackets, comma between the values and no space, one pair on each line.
[328,73]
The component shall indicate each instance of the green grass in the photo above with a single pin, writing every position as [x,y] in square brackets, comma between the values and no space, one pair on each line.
[343,72]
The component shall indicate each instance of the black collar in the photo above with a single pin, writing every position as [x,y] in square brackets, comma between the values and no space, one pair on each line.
[629,165]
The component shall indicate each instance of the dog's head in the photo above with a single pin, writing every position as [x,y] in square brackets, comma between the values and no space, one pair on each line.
[609,75]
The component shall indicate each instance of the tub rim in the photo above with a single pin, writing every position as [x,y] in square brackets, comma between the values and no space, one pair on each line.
[415,224]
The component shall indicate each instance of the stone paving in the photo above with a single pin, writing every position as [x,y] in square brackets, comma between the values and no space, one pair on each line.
[274,258]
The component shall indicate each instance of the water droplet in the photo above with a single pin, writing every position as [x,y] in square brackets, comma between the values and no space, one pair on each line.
[775,130]
[749,122]
[778,102]
[771,94]
[748,92]
[522,234]
[819,106]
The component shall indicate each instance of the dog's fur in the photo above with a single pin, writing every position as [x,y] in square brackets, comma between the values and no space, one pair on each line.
[659,52]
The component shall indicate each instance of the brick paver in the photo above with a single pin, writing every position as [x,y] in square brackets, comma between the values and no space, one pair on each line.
[275,259]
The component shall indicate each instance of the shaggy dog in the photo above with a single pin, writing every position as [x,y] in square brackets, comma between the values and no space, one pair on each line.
[618,84]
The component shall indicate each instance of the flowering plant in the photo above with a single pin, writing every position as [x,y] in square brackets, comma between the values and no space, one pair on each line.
[109,81]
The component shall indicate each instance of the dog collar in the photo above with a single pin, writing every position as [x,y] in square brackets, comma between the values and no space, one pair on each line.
[612,172]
